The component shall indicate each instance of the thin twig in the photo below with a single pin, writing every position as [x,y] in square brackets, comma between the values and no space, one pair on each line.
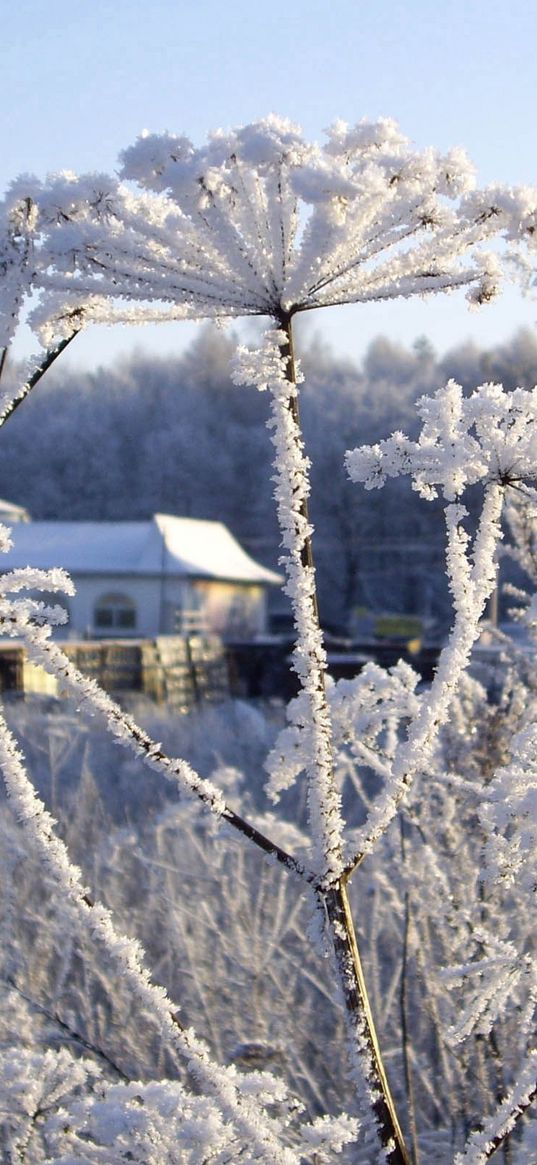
[73,1035]
[46,363]
[50,656]
[403,1003]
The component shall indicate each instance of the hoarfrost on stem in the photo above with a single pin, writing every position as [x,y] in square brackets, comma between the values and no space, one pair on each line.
[268,368]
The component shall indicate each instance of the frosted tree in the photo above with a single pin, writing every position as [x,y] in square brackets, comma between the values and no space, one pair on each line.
[261,223]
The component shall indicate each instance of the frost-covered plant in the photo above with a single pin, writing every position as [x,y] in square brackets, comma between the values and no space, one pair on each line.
[238,1102]
[256,222]
[458,951]
[63,1110]
[261,223]
[18,226]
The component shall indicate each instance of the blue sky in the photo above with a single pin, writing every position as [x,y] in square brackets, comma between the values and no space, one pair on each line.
[79,82]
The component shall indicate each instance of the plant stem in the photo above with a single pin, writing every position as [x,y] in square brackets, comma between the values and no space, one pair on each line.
[366,1057]
[403,1004]
[364,1043]
[47,361]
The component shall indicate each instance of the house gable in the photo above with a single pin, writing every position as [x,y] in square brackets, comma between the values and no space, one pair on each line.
[139,578]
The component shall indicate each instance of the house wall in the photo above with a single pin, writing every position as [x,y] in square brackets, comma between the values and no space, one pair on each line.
[145,593]
[231,610]
[235,611]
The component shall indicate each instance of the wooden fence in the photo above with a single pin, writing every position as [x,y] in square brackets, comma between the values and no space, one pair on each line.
[178,670]
[186,670]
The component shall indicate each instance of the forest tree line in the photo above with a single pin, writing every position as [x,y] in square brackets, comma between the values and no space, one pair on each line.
[175,435]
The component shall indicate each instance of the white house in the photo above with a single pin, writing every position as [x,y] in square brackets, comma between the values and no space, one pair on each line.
[143,579]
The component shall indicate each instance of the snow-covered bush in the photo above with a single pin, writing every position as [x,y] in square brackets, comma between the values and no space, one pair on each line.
[260,223]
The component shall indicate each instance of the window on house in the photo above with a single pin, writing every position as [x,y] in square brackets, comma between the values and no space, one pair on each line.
[115,613]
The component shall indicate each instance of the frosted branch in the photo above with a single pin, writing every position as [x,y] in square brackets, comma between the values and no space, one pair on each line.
[488,437]
[484,1143]
[215,1080]
[272,367]
[19,619]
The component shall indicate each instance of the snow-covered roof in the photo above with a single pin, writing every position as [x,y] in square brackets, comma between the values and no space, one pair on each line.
[167,545]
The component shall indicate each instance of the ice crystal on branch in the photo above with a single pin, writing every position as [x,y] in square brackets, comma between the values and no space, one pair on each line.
[260,222]
[268,368]
[18,219]
[510,816]
[489,436]
[366,714]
